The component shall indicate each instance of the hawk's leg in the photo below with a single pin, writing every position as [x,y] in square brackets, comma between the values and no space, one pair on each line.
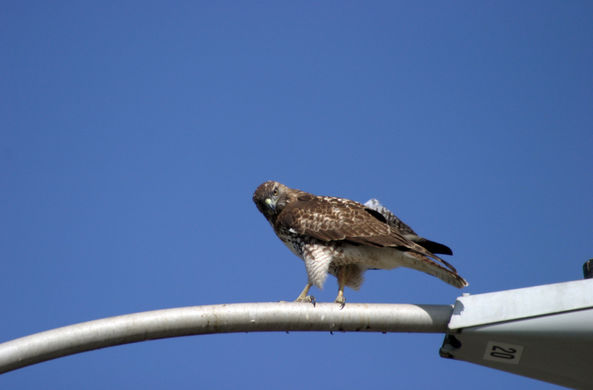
[303,297]
[341,274]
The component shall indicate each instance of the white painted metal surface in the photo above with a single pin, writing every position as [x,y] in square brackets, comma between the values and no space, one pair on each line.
[473,310]
[239,317]
[543,332]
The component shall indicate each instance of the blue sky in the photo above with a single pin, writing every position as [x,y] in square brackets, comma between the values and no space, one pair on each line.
[132,136]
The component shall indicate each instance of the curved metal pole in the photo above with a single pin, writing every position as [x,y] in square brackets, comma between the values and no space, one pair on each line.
[238,317]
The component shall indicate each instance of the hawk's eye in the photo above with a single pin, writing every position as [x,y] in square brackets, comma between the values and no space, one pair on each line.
[275,192]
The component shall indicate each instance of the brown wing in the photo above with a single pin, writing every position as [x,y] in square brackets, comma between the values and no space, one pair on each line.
[336,219]
[392,220]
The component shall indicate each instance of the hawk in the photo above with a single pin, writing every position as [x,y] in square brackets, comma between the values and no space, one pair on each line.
[345,238]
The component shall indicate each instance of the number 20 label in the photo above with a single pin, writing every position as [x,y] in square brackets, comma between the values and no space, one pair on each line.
[503,352]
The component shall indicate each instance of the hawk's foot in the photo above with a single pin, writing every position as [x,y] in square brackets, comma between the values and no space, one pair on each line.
[341,301]
[306,299]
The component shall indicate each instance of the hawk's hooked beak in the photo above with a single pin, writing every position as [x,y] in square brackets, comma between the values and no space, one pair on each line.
[270,203]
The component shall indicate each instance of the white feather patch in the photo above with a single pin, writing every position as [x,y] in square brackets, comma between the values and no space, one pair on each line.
[317,260]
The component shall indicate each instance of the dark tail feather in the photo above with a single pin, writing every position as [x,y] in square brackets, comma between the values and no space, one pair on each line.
[431,246]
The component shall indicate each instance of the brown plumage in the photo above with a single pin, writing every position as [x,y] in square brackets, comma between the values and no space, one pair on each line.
[345,238]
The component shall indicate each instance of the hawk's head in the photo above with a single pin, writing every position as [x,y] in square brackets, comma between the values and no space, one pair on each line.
[270,198]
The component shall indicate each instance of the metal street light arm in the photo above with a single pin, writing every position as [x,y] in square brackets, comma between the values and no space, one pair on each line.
[227,318]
